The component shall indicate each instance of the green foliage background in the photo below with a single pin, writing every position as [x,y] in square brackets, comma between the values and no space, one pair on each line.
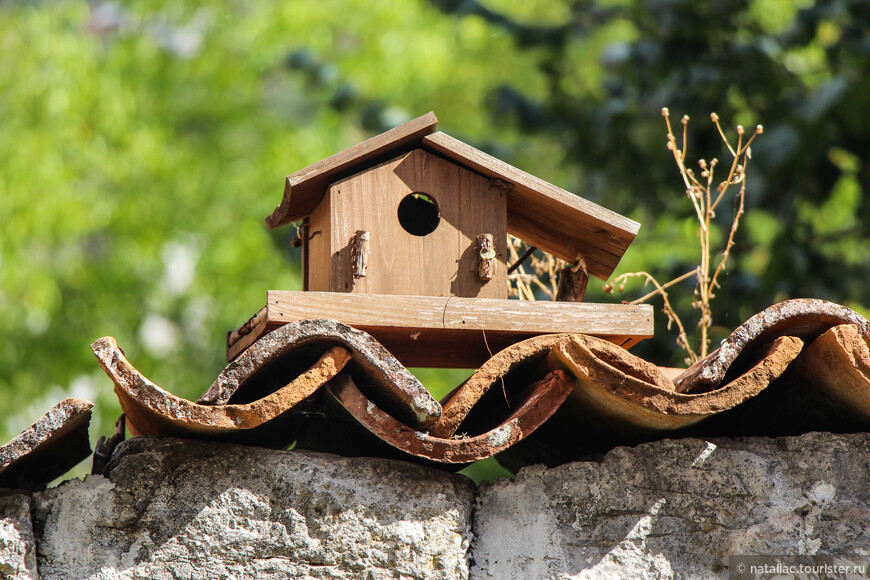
[141,145]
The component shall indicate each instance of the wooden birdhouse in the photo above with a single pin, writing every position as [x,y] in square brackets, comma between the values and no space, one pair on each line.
[405,236]
[371,229]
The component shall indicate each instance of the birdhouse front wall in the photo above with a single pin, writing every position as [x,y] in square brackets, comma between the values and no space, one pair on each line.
[422,216]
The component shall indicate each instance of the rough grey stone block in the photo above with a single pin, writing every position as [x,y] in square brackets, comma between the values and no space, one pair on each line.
[17,545]
[173,508]
[677,509]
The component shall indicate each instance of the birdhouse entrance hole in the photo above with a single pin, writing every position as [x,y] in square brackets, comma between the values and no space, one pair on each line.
[419,214]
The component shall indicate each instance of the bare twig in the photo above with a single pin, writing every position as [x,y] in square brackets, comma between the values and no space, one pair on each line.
[521,259]
[658,289]
[700,192]
[682,338]
[543,275]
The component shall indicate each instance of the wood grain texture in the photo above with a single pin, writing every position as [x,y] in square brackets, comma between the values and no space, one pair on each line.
[545,215]
[457,332]
[319,249]
[304,189]
[440,263]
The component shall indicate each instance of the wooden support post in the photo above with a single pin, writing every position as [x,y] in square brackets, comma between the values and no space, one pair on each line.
[572,282]
[302,236]
[486,261]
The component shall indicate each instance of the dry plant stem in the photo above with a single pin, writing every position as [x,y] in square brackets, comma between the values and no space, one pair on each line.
[682,337]
[543,275]
[736,174]
[659,288]
[517,280]
[726,253]
[521,283]
[700,193]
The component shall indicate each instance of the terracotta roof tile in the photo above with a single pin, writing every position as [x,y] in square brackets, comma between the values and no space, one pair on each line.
[47,449]
[800,365]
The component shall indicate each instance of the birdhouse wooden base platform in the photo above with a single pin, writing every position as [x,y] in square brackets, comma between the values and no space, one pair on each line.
[450,331]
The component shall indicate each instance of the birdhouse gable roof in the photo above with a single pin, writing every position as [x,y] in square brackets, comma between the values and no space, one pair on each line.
[304,189]
[540,213]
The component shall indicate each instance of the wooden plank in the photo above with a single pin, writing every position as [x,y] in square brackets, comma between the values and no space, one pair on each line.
[463,314]
[247,340]
[442,262]
[543,214]
[304,189]
[254,322]
[319,254]
[240,339]
[458,332]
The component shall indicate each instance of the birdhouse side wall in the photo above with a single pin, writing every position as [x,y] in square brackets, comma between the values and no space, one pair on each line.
[441,262]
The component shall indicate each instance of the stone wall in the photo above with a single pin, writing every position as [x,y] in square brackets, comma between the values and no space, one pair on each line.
[173,508]
[678,508]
